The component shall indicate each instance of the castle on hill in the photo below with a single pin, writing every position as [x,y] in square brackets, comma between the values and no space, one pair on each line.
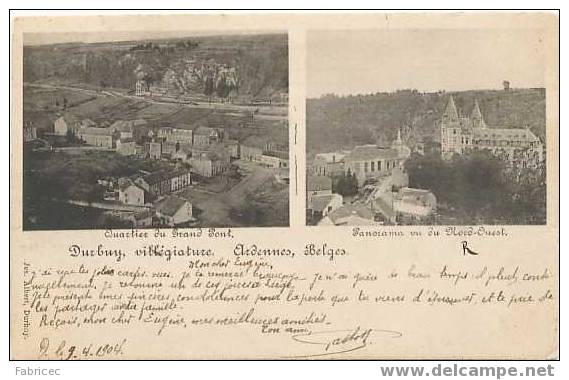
[460,134]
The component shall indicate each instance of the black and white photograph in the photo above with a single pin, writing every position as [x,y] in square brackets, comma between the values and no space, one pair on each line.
[426,127]
[192,186]
[147,130]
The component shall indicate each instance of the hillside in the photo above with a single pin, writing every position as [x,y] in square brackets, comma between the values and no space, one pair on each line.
[247,66]
[335,122]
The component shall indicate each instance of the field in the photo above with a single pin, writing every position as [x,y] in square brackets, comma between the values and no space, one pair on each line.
[41,105]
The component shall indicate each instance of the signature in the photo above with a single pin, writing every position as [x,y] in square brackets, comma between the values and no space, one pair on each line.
[342,341]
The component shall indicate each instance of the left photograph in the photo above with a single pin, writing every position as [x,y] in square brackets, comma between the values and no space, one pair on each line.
[155,131]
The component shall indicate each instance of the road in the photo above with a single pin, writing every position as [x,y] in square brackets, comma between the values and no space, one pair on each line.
[239,110]
[216,207]
[116,206]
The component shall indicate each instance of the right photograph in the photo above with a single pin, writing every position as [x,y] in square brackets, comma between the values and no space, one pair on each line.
[426,127]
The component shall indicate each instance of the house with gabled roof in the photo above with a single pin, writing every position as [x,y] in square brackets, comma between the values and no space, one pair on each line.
[322,205]
[349,215]
[126,146]
[252,147]
[164,182]
[135,129]
[173,210]
[318,185]
[130,193]
[211,161]
[208,136]
[373,162]
[69,122]
[101,137]
[275,159]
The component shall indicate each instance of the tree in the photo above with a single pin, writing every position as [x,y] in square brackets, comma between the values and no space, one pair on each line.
[347,184]
[70,136]
[481,187]
[208,86]
[222,90]
[352,184]
[339,186]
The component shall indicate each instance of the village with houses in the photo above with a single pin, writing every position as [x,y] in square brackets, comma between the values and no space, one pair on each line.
[420,127]
[375,181]
[370,184]
[163,152]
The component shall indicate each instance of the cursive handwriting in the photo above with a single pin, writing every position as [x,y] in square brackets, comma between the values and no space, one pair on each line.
[343,341]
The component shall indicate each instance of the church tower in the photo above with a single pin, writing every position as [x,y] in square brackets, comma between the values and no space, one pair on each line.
[402,150]
[476,116]
[450,114]
[451,131]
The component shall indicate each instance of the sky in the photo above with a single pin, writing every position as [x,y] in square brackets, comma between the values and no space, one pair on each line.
[94,37]
[362,62]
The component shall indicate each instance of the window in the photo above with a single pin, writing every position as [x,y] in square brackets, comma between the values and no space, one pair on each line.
[373,166]
[366,166]
[378,165]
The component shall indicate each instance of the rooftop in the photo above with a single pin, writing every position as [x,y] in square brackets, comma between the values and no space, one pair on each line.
[97,131]
[125,184]
[317,183]
[331,156]
[256,141]
[162,175]
[276,153]
[351,210]
[170,205]
[371,152]
[128,125]
[88,123]
[521,134]
[143,214]
[412,195]
[320,202]
[206,131]
[181,129]
[383,207]
[70,118]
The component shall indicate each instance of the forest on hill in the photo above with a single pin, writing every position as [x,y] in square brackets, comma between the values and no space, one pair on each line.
[342,122]
[252,66]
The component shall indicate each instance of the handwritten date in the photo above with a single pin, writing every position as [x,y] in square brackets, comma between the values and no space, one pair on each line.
[67,351]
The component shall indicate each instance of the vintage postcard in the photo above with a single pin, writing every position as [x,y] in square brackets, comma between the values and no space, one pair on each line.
[285,186]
